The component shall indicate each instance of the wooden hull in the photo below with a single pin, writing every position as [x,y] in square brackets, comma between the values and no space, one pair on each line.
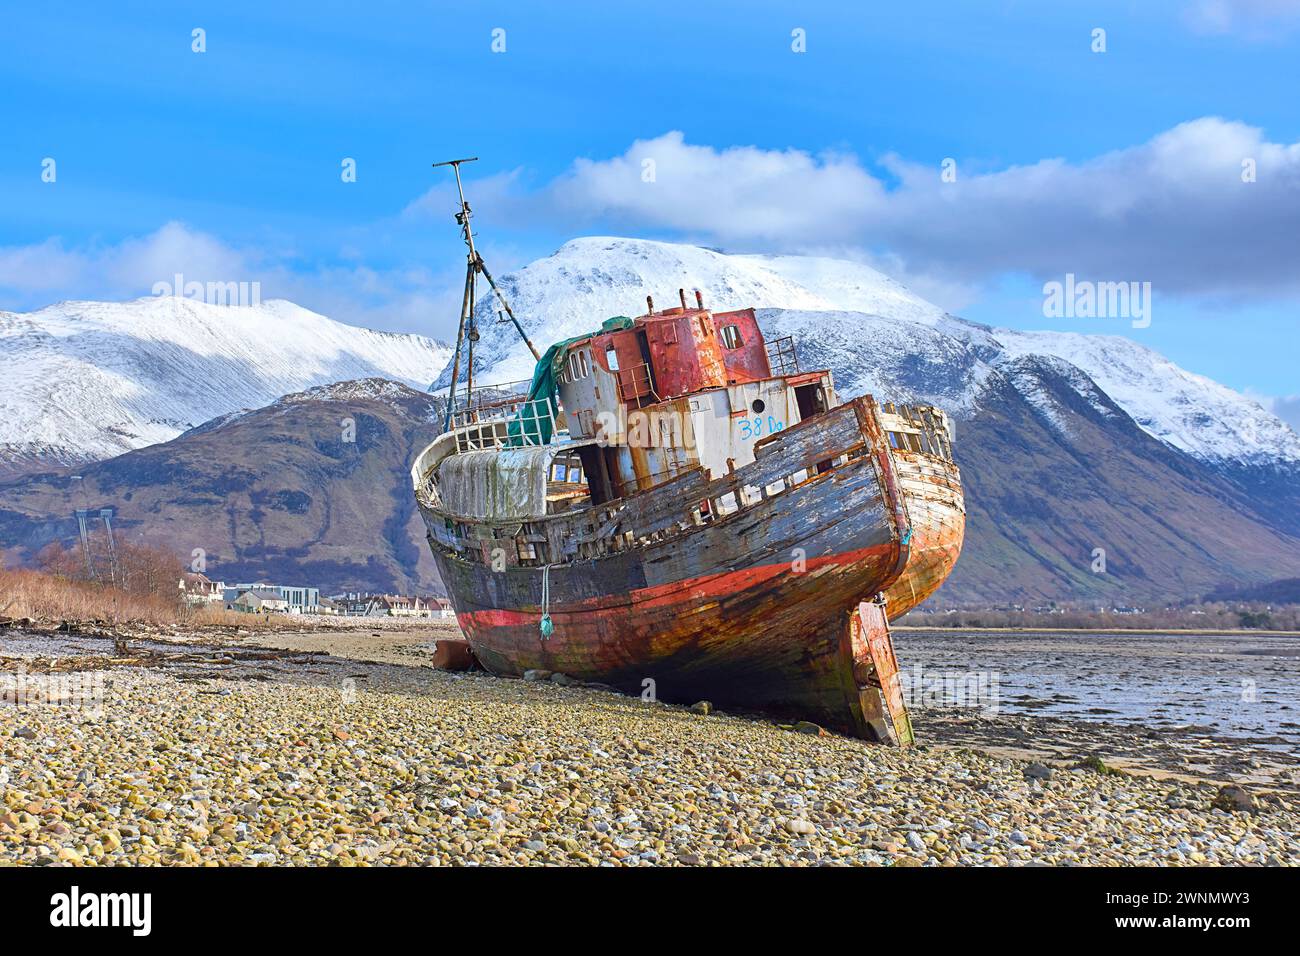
[931,489]
[749,610]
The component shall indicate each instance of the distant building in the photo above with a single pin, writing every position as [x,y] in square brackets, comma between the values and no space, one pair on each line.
[297,600]
[357,604]
[301,600]
[197,589]
[396,605]
[439,607]
[257,600]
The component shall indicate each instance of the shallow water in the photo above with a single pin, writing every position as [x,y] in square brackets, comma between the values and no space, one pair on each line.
[1244,686]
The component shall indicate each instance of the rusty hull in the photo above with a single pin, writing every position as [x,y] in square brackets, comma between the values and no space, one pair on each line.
[931,490]
[750,605]
[930,485]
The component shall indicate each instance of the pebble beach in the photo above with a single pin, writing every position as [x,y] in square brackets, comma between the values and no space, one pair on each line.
[231,751]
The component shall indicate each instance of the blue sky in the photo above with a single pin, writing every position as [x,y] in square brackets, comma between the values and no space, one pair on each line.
[1122,165]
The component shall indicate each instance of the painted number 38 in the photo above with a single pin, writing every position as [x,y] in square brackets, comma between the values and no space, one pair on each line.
[758,426]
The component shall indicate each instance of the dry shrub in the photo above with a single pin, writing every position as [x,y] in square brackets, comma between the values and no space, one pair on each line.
[48,597]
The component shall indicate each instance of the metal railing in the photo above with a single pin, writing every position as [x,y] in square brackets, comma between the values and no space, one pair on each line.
[635,384]
[521,427]
[489,403]
[526,424]
[781,356]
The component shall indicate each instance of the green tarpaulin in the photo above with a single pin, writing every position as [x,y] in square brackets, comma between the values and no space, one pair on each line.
[533,424]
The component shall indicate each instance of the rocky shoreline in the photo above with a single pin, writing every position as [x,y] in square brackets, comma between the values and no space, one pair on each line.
[231,753]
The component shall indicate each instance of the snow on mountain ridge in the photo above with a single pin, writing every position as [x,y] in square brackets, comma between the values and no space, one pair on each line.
[95,379]
[829,304]
[852,286]
[1193,413]
[907,362]
[92,380]
[591,279]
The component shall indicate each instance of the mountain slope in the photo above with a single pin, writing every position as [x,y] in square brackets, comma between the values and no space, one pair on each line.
[313,489]
[885,357]
[1188,411]
[587,280]
[88,380]
[1057,475]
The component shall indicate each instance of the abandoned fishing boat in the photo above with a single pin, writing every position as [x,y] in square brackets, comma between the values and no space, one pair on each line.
[672,507]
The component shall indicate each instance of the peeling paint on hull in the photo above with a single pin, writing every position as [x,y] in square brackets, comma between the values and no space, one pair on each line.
[932,490]
[751,610]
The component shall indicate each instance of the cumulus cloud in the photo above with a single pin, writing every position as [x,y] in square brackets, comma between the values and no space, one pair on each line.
[735,194]
[123,269]
[1210,207]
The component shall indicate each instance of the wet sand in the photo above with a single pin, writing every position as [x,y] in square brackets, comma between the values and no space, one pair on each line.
[409,644]
[1206,706]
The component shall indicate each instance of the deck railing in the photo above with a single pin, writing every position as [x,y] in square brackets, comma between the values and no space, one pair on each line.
[519,423]
[488,403]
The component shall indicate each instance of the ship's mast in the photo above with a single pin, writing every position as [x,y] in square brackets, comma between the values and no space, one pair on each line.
[468,327]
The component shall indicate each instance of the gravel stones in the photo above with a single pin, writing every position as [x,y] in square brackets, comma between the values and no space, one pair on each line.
[462,768]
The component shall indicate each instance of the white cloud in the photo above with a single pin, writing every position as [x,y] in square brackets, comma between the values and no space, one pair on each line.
[737,194]
[40,267]
[1174,211]
[125,269]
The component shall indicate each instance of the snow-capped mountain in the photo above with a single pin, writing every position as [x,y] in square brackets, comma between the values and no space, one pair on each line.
[589,280]
[874,334]
[1067,443]
[89,380]
[1188,411]
[273,493]
[891,359]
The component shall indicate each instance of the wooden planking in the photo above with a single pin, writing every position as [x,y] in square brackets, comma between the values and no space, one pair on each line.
[667,508]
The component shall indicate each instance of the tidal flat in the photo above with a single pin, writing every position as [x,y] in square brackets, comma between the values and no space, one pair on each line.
[340,746]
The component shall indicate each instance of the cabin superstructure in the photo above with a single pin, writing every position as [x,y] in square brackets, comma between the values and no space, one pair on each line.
[678,389]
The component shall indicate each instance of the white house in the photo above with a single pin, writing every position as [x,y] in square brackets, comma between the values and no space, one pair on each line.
[258,599]
[197,589]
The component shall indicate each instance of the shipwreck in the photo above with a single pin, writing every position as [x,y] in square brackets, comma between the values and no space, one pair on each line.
[673,505]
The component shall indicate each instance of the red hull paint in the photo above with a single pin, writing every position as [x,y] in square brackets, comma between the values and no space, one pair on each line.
[672,595]
[765,639]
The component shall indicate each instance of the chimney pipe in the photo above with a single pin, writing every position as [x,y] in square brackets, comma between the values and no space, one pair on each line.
[650,305]
[699,299]
[681,294]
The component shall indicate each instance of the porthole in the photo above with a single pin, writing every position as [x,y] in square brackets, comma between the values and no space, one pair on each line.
[758,406]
